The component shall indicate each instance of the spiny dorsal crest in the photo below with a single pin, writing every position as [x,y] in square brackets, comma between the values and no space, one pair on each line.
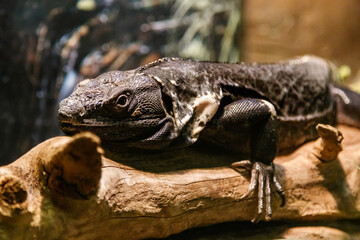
[157,62]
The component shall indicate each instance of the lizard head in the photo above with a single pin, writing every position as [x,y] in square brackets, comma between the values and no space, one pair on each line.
[117,105]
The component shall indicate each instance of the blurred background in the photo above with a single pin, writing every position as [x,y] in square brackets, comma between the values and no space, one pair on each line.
[46,47]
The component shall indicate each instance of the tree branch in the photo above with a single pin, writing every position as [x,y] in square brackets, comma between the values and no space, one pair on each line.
[65,188]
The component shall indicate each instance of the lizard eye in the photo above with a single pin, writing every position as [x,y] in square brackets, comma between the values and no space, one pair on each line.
[122,101]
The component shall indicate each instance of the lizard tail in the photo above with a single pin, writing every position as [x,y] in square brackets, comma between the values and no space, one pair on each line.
[347,106]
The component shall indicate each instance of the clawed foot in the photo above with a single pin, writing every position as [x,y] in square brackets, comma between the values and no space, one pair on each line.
[262,178]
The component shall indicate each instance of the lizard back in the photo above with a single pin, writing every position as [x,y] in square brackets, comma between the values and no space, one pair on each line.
[298,88]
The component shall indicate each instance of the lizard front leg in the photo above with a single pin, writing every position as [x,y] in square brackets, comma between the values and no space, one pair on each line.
[259,117]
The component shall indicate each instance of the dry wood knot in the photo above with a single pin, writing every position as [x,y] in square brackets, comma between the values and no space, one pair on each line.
[12,191]
[75,171]
[328,146]
[13,196]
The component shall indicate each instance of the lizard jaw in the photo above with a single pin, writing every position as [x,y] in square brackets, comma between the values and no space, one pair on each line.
[110,129]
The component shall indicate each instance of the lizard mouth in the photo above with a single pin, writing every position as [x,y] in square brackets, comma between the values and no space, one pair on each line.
[111,129]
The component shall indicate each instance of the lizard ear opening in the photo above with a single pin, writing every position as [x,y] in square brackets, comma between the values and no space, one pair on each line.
[168,104]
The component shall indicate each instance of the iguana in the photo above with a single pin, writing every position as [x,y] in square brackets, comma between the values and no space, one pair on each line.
[253,108]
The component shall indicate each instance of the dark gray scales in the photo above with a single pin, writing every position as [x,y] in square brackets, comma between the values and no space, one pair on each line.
[295,87]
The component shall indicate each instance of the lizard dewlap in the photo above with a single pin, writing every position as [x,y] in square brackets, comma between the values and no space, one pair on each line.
[253,108]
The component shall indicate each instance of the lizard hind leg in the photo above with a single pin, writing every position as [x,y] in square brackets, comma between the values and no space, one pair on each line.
[260,117]
[264,142]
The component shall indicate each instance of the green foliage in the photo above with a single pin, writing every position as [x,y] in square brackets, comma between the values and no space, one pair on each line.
[205,30]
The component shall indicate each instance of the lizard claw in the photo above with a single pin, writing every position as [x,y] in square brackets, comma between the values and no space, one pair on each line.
[262,178]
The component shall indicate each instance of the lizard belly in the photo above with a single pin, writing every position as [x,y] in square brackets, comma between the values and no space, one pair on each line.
[293,133]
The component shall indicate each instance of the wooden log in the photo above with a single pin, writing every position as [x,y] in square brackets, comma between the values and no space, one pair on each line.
[65,188]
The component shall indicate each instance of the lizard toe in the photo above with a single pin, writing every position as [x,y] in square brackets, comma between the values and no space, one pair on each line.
[263,178]
[253,183]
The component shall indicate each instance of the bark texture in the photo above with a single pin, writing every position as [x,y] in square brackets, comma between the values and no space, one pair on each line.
[65,188]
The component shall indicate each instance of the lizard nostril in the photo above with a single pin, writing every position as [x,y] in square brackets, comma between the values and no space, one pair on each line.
[99,104]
